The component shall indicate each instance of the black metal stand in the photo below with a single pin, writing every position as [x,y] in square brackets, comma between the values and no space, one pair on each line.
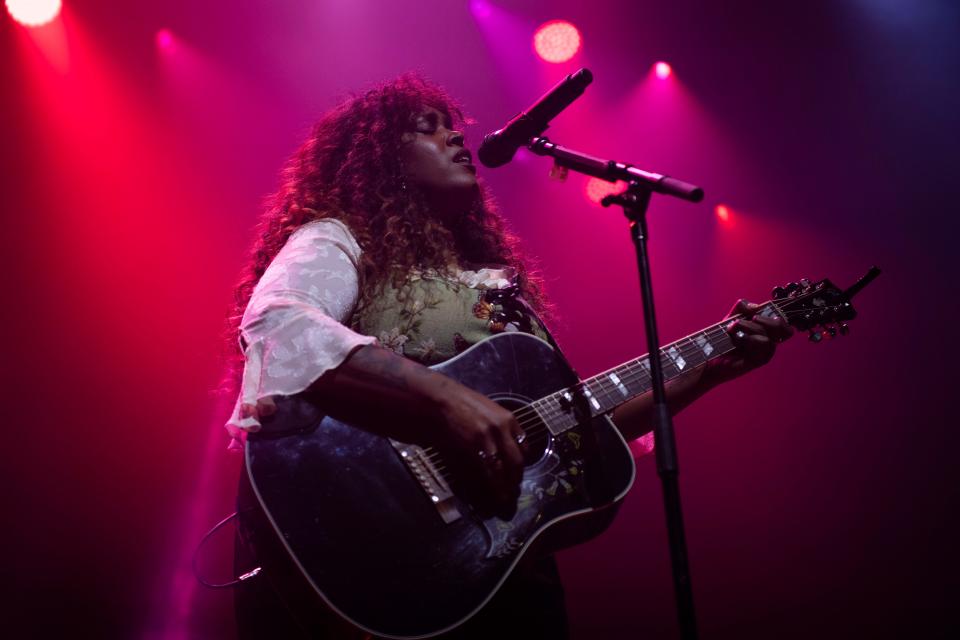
[635,201]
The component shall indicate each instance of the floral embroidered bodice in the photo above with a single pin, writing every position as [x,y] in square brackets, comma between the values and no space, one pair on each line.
[302,320]
[434,317]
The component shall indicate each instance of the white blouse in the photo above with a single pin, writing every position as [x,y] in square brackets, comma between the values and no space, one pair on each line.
[293,329]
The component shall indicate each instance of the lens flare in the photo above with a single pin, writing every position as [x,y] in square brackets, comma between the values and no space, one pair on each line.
[33,13]
[663,70]
[723,212]
[556,41]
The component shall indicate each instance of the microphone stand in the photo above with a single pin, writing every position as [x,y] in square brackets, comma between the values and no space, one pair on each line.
[635,200]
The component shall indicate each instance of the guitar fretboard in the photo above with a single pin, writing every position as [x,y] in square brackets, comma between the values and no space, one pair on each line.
[606,391]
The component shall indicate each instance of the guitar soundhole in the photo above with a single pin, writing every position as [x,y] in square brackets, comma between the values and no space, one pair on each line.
[538,436]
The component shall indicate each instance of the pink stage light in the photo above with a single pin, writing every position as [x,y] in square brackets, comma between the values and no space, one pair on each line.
[480,8]
[164,38]
[556,41]
[33,13]
[595,189]
[723,212]
[663,70]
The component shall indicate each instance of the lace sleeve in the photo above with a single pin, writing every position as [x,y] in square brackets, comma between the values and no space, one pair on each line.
[293,328]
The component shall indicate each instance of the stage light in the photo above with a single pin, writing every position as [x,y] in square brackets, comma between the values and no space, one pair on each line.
[556,41]
[663,70]
[595,188]
[164,38]
[480,8]
[723,212]
[33,13]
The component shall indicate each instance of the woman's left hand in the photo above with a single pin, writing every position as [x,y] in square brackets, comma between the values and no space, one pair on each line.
[756,338]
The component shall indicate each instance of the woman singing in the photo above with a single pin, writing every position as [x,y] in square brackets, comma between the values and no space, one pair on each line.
[382,254]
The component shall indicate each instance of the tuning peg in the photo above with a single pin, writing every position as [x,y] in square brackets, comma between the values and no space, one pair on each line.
[816,336]
[832,331]
[778,293]
[804,283]
[791,287]
[844,328]
[846,311]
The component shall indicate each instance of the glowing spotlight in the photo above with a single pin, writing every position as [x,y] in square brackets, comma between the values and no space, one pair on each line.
[33,13]
[596,189]
[556,41]
[723,212]
[663,70]
[480,8]
[164,38]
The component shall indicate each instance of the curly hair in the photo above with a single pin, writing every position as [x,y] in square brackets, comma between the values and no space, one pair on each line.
[349,169]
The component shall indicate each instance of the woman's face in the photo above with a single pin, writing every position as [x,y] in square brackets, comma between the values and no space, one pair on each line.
[435,159]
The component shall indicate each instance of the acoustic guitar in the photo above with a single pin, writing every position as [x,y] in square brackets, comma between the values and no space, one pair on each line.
[377,527]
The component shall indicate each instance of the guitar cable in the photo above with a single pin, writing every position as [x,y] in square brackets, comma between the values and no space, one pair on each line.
[196,555]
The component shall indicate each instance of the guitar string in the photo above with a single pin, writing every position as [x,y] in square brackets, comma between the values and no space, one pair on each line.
[686,343]
[539,419]
[530,415]
[685,346]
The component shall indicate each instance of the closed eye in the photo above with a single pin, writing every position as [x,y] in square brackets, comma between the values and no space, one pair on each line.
[429,122]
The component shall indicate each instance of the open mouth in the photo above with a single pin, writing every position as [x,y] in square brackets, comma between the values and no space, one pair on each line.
[463,157]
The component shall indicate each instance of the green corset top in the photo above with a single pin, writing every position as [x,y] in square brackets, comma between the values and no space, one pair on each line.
[432,318]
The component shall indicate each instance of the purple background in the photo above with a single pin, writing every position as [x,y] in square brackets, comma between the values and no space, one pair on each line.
[820,493]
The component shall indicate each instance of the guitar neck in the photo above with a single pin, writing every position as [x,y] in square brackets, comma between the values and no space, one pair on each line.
[606,391]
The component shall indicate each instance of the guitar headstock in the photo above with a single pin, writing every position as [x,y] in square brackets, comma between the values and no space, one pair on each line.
[819,307]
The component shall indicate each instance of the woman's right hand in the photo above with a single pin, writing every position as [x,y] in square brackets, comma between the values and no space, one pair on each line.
[485,443]
[385,393]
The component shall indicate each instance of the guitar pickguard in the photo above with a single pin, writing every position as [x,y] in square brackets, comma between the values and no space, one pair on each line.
[558,477]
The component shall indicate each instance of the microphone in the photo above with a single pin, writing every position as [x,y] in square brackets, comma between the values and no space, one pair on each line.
[499,147]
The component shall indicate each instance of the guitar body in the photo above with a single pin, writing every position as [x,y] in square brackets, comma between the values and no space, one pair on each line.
[367,525]
[372,543]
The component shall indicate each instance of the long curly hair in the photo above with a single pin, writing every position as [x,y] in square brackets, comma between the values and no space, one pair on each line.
[349,169]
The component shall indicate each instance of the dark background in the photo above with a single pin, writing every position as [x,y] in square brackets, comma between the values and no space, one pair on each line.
[820,492]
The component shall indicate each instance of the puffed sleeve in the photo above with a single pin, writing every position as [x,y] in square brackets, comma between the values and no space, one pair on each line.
[293,328]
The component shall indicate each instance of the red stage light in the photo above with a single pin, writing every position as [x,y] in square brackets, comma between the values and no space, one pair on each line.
[723,212]
[33,13]
[596,189]
[556,41]
[663,70]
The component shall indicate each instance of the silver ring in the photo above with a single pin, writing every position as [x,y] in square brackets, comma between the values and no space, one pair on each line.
[488,458]
[521,438]
[740,334]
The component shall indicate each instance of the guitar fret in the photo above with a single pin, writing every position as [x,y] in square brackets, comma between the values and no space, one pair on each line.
[704,343]
[615,379]
[599,396]
[642,373]
[589,395]
[694,355]
[612,394]
[676,357]
[606,391]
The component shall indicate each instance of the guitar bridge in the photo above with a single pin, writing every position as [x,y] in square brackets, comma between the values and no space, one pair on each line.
[430,480]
